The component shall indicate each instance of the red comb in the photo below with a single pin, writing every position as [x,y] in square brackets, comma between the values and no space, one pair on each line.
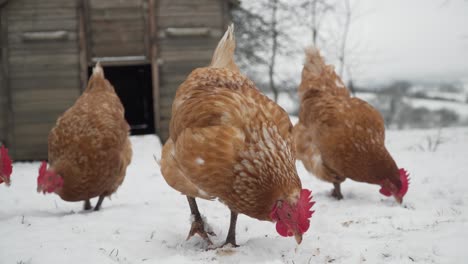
[304,207]
[405,181]
[5,161]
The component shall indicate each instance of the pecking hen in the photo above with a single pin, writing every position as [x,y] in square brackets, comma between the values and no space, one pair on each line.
[339,137]
[89,147]
[229,141]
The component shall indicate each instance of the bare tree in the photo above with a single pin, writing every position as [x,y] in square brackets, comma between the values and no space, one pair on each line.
[251,33]
[268,32]
[264,35]
[344,37]
[274,48]
[318,10]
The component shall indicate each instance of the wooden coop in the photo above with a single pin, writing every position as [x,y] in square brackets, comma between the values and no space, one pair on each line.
[147,48]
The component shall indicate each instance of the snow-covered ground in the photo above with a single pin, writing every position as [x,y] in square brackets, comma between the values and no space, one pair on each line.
[147,222]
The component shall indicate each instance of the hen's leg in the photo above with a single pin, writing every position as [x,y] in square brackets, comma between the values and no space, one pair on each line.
[99,203]
[231,237]
[336,192]
[198,226]
[87,205]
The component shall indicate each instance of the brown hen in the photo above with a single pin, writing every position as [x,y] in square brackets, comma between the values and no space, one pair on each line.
[89,147]
[339,137]
[229,141]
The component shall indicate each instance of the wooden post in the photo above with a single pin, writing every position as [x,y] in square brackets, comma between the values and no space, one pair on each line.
[3,2]
[8,115]
[83,43]
[147,37]
[153,30]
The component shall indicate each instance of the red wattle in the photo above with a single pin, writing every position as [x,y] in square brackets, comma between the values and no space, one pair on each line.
[385,192]
[282,229]
[6,165]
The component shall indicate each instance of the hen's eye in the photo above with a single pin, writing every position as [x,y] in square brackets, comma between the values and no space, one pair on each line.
[289,215]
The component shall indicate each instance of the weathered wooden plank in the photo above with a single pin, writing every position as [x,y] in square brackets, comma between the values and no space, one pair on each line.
[83,48]
[119,36]
[28,117]
[45,25]
[44,95]
[188,55]
[192,9]
[58,106]
[117,13]
[21,52]
[166,101]
[190,21]
[39,130]
[46,77]
[40,15]
[52,114]
[99,27]
[45,82]
[186,3]
[192,41]
[49,59]
[170,85]
[214,12]
[49,4]
[127,49]
[166,111]
[183,67]
[106,4]
[43,49]
[3,95]
[152,43]
[33,70]
[28,152]
[15,39]
[164,135]
[208,48]
[6,116]
[63,79]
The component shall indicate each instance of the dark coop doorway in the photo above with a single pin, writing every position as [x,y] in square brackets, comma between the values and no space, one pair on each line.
[134,87]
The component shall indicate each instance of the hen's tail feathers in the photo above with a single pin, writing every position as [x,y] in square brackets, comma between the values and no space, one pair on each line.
[97,76]
[317,75]
[314,63]
[98,71]
[223,56]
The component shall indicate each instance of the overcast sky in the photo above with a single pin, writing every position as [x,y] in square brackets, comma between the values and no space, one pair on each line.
[413,39]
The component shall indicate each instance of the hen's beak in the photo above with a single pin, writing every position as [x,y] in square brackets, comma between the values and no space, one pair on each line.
[39,189]
[298,238]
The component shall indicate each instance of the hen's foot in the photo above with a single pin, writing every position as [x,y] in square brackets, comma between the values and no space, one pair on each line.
[99,203]
[198,227]
[231,237]
[230,244]
[87,205]
[336,192]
